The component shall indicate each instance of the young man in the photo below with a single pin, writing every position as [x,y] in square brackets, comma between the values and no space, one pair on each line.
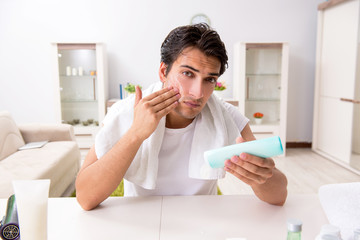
[156,140]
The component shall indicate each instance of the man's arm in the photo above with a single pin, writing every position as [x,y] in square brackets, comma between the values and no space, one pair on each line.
[98,178]
[267,182]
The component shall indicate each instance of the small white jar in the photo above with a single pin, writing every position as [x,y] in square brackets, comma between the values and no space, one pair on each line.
[81,71]
[329,231]
[68,71]
[74,72]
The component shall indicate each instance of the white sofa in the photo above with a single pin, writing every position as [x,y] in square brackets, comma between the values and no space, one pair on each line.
[58,160]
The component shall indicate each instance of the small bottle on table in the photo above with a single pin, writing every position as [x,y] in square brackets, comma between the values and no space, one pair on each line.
[294,229]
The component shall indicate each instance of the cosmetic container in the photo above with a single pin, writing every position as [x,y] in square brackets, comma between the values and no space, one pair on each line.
[294,227]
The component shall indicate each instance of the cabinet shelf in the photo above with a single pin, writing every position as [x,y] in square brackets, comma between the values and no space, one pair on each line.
[78,101]
[80,127]
[262,100]
[265,126]
[263,75]
[78,77]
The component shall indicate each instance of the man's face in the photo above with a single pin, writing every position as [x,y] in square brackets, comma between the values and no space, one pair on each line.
[195,75]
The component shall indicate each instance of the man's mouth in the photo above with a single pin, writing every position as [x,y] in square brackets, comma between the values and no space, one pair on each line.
[192,104]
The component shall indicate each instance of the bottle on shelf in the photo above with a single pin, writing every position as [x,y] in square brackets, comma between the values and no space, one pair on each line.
[80,71]
[74,71]
[68,71]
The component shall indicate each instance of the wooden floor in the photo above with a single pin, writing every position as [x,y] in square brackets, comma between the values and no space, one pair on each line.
[305,170]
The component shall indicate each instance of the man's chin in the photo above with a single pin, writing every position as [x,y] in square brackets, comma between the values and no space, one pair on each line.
[186,113]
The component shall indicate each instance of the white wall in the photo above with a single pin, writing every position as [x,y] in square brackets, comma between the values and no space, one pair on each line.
[133,31]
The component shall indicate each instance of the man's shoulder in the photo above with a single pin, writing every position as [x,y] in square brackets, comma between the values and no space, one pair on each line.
[228,107]
[233,112]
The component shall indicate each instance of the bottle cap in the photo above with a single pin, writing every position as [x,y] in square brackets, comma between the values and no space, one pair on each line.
[294,225]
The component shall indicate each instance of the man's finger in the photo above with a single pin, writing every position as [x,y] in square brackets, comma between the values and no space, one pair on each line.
[240,140]
[166,102]
[243,173]
[138,95]
[157,93]
[258,161]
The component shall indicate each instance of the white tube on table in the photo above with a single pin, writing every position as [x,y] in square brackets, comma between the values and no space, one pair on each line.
[267,147]
[32,205]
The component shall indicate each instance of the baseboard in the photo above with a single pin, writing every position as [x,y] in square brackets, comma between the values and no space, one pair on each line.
[298,144]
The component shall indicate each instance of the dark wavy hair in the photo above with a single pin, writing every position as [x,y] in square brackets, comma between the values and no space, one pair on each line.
[200,36]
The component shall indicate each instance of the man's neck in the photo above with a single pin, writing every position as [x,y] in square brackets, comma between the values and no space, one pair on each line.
[177,122]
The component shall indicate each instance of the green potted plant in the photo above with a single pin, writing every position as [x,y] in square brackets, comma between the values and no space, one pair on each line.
[130,89]
[219,89]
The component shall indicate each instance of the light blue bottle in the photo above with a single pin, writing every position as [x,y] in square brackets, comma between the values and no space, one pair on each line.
[265,148]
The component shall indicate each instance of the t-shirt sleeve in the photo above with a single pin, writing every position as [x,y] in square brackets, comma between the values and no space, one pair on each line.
[239,119]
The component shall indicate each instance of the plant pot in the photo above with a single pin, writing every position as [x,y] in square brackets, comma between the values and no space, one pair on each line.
[127,94]
[219,94]
[258,120]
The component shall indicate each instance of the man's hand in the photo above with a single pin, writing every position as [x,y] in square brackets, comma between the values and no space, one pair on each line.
[267,182]
[250,169]
[149,110]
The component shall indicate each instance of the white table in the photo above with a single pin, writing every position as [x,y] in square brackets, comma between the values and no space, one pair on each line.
[182,217]
[221,217]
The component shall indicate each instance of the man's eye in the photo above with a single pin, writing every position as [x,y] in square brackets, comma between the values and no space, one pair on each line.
[211,80]
[188,74]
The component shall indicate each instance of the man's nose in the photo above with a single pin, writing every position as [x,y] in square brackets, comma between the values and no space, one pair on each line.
[196,89]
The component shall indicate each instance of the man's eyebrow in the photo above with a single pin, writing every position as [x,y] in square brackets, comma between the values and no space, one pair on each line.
[196,70]
[187,66]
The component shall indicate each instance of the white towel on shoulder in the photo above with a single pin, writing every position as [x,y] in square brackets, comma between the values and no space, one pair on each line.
[214,128]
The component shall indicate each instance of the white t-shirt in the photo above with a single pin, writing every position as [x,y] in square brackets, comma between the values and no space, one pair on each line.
[174,163]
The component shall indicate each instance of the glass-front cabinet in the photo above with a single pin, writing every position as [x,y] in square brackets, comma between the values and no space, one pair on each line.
[81,85]
[260,86]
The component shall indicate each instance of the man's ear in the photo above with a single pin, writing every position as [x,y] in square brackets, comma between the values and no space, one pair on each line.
[162,72]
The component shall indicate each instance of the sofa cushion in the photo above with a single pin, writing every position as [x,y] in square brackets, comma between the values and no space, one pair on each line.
[36,132]
[10,137]
[53,161]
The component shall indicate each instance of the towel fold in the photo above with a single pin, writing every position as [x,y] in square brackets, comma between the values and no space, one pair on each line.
[214,128]
[341,204]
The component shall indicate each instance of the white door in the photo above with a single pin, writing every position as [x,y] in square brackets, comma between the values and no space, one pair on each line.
[337,72]
[355,156]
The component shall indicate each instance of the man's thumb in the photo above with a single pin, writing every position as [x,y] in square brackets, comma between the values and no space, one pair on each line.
[138,94]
